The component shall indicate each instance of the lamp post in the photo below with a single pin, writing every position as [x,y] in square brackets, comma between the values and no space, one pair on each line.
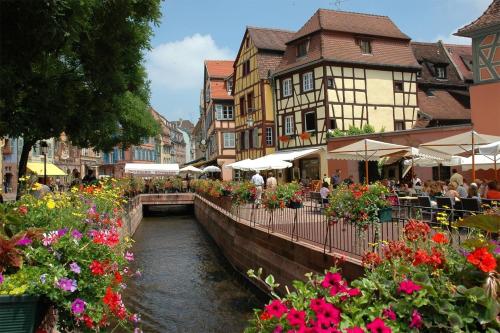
[44,148]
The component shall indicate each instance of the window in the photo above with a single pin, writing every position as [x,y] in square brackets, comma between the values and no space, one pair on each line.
[247,139]
[223,112]
[441,72]
[247,42]
[302,48]
[330,83]
[229,85]
[229,140]
[269,136]
[289,125]
[287,87]
[307,81]
[242,141]
[310,121]
[399,125]
[333,124]
[246,68]
[255,138]
[250,106]
[365,46]
[242,105]
[398,86]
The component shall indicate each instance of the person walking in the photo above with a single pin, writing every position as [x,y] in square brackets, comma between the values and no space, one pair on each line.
[89,177]
[271,182]
[336,178]
[258,181]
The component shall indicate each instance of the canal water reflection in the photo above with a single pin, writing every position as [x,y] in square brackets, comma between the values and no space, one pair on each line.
[186,284]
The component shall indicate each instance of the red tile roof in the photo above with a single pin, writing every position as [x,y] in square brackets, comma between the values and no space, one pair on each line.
[357,23]
[442,106]
[462,59]
[219,68]
[490,17]
[269,39]
[430,54]
[218,90]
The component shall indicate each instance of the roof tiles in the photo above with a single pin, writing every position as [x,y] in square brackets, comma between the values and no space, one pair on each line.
[269,39]
[442,105]
[219,68]
[490,17]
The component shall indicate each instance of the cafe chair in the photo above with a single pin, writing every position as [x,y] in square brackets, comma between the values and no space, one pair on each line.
[471,205]
[425,207]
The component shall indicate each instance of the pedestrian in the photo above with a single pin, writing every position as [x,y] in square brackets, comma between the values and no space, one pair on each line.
[493,192]
[271,182]
[336,179]
[349,180]
[326,179]
[457,178]
[324,192]
[89,177]
[258,181]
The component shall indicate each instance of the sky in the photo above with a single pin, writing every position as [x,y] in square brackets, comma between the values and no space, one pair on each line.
[194,30]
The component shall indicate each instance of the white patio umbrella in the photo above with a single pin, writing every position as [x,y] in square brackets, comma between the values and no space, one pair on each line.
[367,150]
[191,169]
[211,168]
[458,144]
[235,165]
[263,163]
[492,149]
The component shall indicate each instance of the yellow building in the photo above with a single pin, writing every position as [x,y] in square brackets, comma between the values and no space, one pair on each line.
[342,69]
[260,52]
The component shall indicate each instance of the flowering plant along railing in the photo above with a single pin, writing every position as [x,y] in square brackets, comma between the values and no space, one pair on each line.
[419,284]
[73,253]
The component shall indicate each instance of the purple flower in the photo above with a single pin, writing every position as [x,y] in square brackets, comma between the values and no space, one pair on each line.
[24,241]
[43,278]
[78,306]
[75,268]
[137,330]
[129,256]
[135,318]
[76,234]
[66,284]
[62,232]
[1,278]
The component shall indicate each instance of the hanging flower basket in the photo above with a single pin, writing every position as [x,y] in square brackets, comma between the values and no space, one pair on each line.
[19,313]
[305,135]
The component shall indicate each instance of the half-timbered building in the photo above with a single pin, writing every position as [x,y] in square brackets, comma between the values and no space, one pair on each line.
[218,114]
[260,53]
[342,69]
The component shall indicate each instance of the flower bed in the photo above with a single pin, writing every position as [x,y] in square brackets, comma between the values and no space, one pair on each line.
[68,249]
[419,284]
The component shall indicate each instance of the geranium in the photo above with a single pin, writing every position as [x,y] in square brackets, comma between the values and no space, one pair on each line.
[276,308]
[24,241]
[397,249]
[378,326]
[305,135]
[296,317]
[129,256]
[416,320]
[389,314]
[371,259]
[408,287]
[421,257]
[50,238]
[105,237]
[415,230]
[78,306]
[67,284]
[482,259]
[440,238]
[97,268]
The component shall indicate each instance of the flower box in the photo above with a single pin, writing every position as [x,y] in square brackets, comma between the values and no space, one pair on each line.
[294,205]
[19,313]
[385,214]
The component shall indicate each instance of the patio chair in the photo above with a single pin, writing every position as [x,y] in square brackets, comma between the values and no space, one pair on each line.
[446,204]
[316,199]
[425,207]
[470,205]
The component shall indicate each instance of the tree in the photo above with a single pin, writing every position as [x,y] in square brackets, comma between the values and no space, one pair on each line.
[75,67]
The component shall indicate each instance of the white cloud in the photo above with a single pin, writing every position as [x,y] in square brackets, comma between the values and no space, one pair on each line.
[178,65]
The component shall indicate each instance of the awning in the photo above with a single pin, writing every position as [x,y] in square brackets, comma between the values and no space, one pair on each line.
[235,165]
[143,169]
[291,155]
[38,168]
[368,150]
[263,163]
[202,163]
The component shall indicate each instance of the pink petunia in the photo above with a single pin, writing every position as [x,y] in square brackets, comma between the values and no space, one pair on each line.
[331,279]
[296,317]
[276,308]
[378,326]
[408,287]
[355,329]
[389,314]
[416,320]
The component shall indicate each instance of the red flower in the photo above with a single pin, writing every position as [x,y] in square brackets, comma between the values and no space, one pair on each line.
[276,308]
[389,314]
[371,259]
[328,314]
[378,326]
[23,210]
[97,268]
[265,316]
[118,277]
[296,317]
[416,320]
[397,249]
[482,259]
[437,258]
[421,257]
[415,230]
[331,279]
[305,136]
[88,321]
[440,238]
[355,329]
[408,287]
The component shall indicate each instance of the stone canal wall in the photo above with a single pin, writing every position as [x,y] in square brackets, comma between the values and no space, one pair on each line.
[248,247]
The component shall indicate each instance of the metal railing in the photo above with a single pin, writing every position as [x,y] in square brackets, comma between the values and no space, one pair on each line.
[309,224]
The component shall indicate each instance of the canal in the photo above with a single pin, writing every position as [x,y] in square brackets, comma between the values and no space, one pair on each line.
[186,284]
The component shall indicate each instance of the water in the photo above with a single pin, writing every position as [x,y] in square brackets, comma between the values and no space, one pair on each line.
[186,284]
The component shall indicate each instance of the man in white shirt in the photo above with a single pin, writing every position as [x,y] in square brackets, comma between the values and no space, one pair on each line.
[258,181]
[271,182]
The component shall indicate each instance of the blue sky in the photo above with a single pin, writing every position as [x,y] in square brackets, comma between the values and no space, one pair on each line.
[194,30]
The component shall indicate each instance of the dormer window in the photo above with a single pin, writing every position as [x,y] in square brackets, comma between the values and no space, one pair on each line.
[440,72]
[365,45]
[302,48]
[229,84]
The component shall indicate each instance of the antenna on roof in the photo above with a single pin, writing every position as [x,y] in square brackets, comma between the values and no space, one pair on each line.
[337,4]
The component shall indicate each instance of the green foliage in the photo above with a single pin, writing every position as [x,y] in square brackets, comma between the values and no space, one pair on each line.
[353,130]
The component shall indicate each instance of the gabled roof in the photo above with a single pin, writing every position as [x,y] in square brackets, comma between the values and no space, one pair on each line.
[269,39]
[490,17]
[461,56]
[356,23]
[218,90]
[442,105]
[219,68]
[430,54]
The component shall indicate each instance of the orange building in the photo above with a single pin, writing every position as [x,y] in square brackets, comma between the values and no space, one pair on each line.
[485,93]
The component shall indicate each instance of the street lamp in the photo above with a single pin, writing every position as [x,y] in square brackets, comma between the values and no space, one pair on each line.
[44,148]
[250,120]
